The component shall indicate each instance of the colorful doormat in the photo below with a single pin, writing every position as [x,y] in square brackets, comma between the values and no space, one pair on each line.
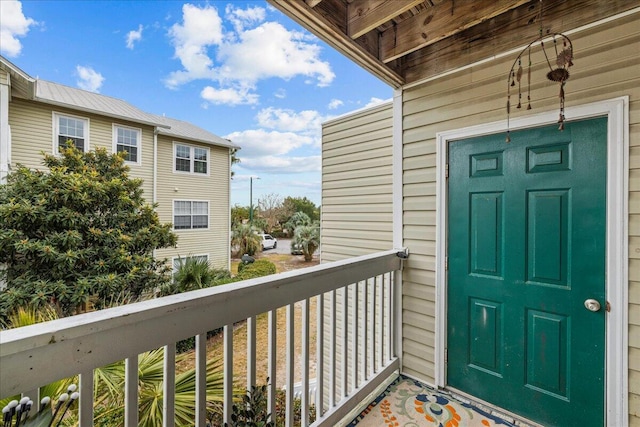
[409,403]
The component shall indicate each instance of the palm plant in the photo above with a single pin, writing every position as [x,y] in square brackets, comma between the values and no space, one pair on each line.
[109,382]
[193,273]
[246,239]
[308,237]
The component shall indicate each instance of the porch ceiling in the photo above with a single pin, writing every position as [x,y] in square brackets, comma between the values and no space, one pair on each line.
[405,41]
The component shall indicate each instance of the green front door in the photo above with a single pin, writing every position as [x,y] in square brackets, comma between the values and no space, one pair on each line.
[526,249]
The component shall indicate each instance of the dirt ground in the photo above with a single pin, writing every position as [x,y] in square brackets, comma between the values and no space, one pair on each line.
[283,263]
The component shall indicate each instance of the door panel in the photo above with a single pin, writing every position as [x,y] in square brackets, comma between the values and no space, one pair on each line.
[526,248]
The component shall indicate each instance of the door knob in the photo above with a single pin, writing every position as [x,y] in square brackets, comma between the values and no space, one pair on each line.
[592,305]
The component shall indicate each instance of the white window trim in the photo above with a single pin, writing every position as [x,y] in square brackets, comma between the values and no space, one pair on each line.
[173,259]
[190,230]
[192,158]
[617,241]
[54,118]
[115,141]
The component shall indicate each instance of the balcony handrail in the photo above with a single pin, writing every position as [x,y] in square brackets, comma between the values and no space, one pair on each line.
[39,354]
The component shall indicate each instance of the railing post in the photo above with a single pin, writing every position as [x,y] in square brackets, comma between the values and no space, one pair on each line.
[272,362]
[251,352]
[290,364]
[320,355]
[169,386]
[201,380]
[85,415]
[305,364]
[131,392]
[228,373]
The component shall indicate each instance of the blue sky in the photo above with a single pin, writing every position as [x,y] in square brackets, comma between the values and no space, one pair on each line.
[239,69]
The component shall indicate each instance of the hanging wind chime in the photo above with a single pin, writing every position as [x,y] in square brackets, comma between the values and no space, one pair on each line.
[558,73]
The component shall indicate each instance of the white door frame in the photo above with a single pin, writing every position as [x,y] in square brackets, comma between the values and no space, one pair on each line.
[617,245]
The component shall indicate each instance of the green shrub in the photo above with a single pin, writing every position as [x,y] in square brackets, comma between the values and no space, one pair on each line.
[259,268]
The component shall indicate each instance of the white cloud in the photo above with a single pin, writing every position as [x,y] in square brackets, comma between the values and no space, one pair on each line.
[308,121]
[237,59]
[243,17]
[280,93]
[89,79]
[13,24]
[376,101]
[270,50]
[335,103]
[134,36]
[200,28]
[259,142]
[273,164]
[229,96]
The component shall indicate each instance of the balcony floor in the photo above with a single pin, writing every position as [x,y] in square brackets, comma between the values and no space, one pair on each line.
[407,402]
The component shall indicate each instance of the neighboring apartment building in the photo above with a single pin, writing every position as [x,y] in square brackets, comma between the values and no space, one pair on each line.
[186,170]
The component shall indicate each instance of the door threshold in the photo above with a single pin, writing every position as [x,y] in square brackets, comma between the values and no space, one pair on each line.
[491,408]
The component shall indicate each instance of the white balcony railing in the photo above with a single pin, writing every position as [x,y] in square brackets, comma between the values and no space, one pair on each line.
[356,307]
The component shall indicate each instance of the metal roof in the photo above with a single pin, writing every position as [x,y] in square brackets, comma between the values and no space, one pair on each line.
[78,99]
[185,130]
[95,103]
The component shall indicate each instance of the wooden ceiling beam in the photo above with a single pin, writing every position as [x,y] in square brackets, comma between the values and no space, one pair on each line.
[312,3]
[511,30]
[365,15]
[437,23]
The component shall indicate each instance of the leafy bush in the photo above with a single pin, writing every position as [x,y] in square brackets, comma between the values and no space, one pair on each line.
[308,237]
[77,234]
[245,239]
[259,268]
[194,273]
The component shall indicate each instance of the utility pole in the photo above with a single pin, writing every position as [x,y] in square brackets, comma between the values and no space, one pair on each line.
[251,200]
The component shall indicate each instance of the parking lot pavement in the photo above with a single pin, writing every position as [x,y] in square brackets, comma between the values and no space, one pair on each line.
[284,247]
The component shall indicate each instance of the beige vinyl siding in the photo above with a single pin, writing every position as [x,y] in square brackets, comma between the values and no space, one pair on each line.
[357,184]
[4,77]
[213,188]
[607,65]
[356,209]
[32,128]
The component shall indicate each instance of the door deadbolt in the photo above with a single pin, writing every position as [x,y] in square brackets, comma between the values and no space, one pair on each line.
[592,305]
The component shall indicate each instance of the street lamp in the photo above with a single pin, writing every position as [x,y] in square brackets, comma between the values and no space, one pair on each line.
[251,199]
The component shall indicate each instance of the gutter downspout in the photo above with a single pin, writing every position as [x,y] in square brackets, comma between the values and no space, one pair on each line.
[155,172]
[5,130]
[398,238]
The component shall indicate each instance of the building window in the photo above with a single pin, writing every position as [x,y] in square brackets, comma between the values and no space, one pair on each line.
[71,128]
[189,215]
[191,159]
[128,139]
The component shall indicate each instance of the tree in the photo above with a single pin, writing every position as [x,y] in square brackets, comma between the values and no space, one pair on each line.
[302,204]
[296,220]
[239,214]
[246,239]
[308,237]
[234,160]
[78,233]
[272,211]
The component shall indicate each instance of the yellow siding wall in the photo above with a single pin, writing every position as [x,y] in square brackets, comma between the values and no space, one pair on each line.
[356,206]
[607,65]
[215,188]
[357,184]
[32,133]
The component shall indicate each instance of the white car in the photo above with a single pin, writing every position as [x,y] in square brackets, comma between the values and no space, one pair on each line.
[268,241]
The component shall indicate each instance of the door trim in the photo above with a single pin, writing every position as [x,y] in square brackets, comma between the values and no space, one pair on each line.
[617,244]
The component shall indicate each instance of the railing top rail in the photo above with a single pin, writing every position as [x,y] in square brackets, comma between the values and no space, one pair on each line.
[84,342]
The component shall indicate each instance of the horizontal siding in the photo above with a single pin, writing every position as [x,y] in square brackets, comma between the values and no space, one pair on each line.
[32,133]
[607,65]
[357,184]
[213,188]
